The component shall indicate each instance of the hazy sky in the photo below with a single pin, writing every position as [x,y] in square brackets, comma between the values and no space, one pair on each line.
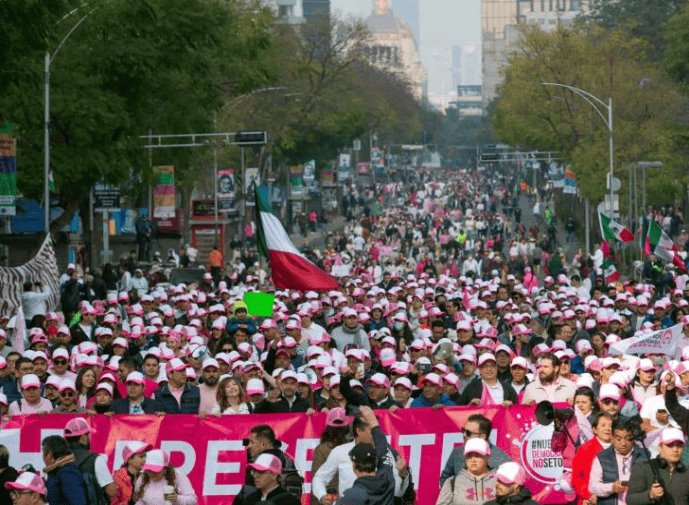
[444,23]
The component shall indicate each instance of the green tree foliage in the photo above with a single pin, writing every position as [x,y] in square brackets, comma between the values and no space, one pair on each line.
[131,65]
[645,18]
[607,64]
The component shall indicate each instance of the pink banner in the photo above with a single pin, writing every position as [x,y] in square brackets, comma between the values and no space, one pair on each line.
[210,451]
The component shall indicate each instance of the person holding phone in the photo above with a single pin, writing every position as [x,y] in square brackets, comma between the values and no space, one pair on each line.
[611,469]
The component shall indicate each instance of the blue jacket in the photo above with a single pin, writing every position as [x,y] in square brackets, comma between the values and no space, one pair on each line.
[420,401]
[189,403]
[66,486]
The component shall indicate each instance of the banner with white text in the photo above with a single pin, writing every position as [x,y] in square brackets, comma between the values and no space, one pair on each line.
[211,453]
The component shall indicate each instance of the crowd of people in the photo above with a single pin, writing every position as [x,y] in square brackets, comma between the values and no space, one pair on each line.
[447,298]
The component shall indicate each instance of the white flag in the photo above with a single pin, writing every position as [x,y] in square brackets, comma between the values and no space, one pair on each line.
[19,333]
[658,342]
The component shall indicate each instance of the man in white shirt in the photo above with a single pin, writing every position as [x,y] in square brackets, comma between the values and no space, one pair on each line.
[339,463]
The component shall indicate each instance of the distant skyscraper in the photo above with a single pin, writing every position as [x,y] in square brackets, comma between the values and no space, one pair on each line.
[410,12]
[316,9]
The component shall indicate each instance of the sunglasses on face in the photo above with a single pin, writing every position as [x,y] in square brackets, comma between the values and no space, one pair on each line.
[60,362]
[564,362]
[67,394]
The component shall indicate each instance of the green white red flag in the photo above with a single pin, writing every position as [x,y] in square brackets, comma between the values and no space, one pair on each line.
[289,268]
[662,246]
[612,230]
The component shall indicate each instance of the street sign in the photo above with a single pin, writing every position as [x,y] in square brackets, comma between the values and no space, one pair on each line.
[106,197]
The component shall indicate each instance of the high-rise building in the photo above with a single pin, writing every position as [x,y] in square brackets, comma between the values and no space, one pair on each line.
[411,13]
[314,10]
[392,47]
[499,34]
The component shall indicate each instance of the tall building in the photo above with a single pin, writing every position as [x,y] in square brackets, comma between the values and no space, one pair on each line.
[313,10]
[499,34]
[411,13]
[392,47]
[288,11]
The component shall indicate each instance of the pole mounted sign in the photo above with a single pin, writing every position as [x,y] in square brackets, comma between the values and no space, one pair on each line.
[106,197]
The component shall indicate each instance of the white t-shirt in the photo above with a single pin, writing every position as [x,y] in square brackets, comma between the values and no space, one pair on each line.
[103,475]
[649,409]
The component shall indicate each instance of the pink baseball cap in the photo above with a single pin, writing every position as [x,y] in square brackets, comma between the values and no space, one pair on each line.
[433,378]
[337,417]
[30,381]
[671,435]
[380,380]
[520,362]
[104,386]
[156,460]
[477,446]
[255,387]
[484,358]
[405,383]
[136,378]
[133,448]
[511,473]
[267,463]
[609,392]
[77,427]
[175,365]
[28,481]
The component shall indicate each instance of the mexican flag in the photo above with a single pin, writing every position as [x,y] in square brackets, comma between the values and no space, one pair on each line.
[610,271]
[290,269]
[608,266]
[658,243]
[612,230]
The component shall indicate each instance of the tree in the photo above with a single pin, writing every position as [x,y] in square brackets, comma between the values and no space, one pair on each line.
[130,66]
[607,64]
[645,19]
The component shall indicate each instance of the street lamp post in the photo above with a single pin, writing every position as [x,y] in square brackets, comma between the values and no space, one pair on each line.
[47,61]
[600,106]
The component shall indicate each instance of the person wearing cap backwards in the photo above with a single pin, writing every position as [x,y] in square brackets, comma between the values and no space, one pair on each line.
[266,471]
[78,435]
[374,469]
[65,484]
[644,488]
[27,489]
[135,403]
[509,486]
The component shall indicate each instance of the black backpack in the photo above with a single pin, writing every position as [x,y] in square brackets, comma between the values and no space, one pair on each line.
[94,493]
[290,479]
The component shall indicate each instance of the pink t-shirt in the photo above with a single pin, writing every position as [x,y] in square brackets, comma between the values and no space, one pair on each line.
[43,406]
[208,398]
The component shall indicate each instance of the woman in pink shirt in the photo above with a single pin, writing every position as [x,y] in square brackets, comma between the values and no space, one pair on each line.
[31,403]
[162,482]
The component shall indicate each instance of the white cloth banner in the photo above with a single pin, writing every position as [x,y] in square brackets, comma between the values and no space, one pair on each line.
[658,342]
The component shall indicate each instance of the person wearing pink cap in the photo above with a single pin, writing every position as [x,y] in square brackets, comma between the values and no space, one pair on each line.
[487,389]
[178,396]
[31,402]
[133,458]
[644,487]
[162,482]
[284,398]
[475,483]
[25,489]
[509,486]
[350,333]
[432,395]
[336,433]
[135,403]
[378,396]
[266,470]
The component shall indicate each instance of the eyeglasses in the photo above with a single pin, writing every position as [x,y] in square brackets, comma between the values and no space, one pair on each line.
[16,493]
[60,362]
[67,394]
[608,401]
[564,362]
